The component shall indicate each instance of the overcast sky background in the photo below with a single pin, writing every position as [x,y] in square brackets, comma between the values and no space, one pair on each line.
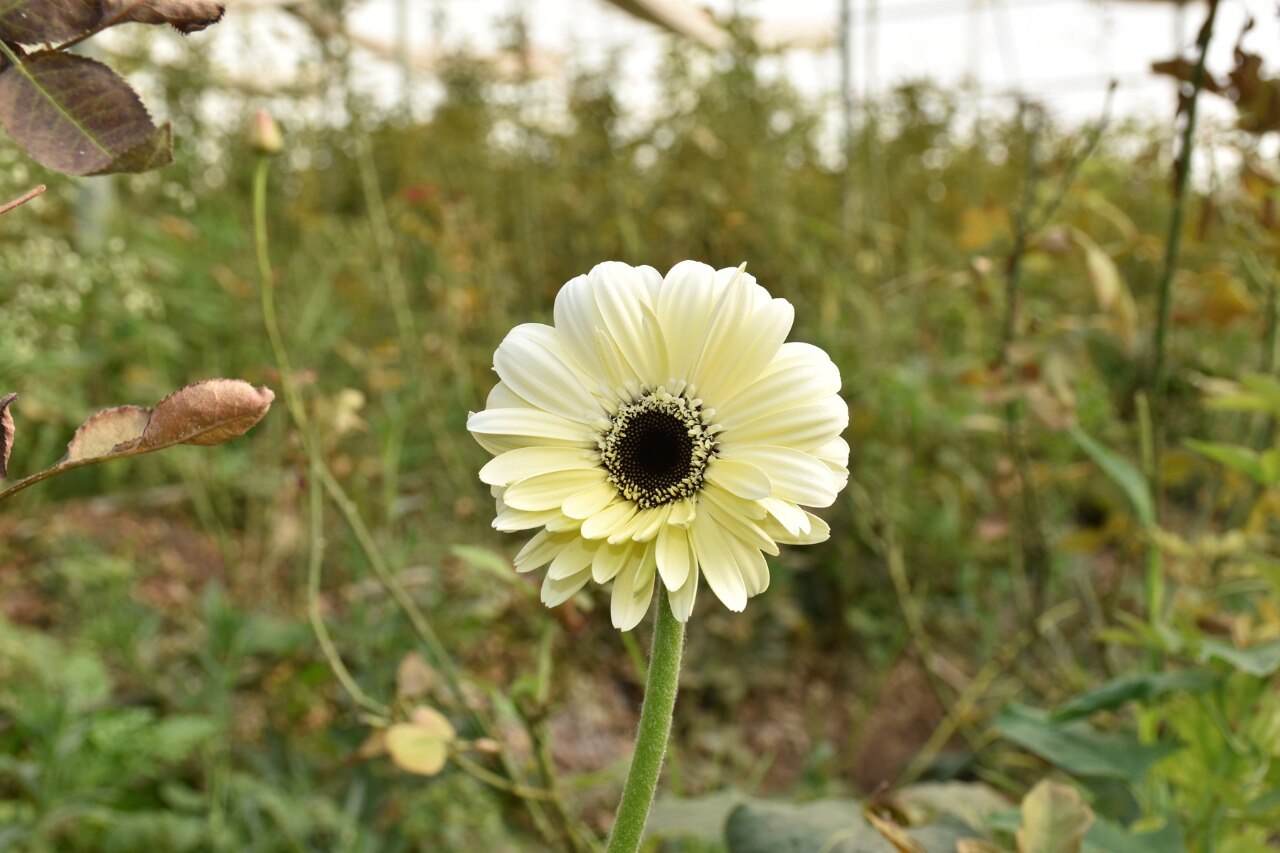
[1062,52]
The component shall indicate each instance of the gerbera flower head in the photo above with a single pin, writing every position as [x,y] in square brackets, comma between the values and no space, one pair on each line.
[662,430]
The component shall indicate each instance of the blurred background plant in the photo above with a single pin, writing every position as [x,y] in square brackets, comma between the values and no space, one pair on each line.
[981,619]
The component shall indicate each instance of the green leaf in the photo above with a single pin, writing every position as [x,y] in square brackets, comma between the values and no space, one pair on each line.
[1055,818]
[1079,748]
[1261,394]
[1106,837]
[836,826]
[1242,459]
[1261,660]
[1130,688]
[1122,473]
[692,817]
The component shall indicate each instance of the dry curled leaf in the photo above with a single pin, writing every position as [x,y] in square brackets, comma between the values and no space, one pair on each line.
[40,21]
[185,16]
[6,433]
[209,412]
[115,430]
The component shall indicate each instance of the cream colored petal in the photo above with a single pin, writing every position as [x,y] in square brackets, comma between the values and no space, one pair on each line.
[510,520]
[502,397]
[652,280]
[793,519]
[673,556]
[549,491]
[818,531]
[742,341]
[739,477]
[590,501]
[651,522]
[632,592]
[737,525]
[751,563]
[539,550]
[529,428]
[533,363]
[752,509]
[636,527]
[686,302]
[525,462]
[835,453]
[561,523]
[718,563]
[623,302]
[683,598]
[796,476]
[609,520]
[571,560]
[804,427]
[800,375]
[556,591]
[610,559]
[683,512]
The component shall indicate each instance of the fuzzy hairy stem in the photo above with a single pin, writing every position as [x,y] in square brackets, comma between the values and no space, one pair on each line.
[654,730]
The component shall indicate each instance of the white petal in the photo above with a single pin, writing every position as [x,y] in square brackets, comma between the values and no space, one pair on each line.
[607,323]
[752,564]
[525,462]
[549,491]
[673,556]
[804,427]
[650,522]
[685,303]
[736,524]
[523,427]
[818,531]
[628,605]
[502,397]
[590,501]
[792,518]
[835,453]
[752,509]
[718,563]
[796,476]
[741,478]
[556,591]
[533,362]
[575,557]
[742,340]
[682,599]
[510,520]
[539,551]
[606,522]
[610,559]
[801,374]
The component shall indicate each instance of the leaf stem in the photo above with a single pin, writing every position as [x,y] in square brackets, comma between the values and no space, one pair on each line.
[654,731]
[22,199]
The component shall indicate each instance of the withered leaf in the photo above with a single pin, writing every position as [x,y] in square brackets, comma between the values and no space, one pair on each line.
[154,153]
[115,430]
[6,433]
[71,113]
[40,21]
[421,745]
[209,412]
[185,16]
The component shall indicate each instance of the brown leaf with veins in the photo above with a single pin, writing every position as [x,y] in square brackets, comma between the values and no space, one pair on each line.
[6,433]
[185,16]
[209,412]
[114,430]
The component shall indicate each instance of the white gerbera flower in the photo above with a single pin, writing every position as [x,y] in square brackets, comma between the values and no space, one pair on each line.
[662,429]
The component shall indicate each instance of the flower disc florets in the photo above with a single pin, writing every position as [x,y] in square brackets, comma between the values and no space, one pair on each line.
[656,449]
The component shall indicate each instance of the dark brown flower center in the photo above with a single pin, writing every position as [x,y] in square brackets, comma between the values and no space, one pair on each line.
[656,449]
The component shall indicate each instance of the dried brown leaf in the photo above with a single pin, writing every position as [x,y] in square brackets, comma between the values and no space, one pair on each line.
[209,412]
[108,432]
[71,113]
[6,433]
[40,21]
[185,16]
[154,153]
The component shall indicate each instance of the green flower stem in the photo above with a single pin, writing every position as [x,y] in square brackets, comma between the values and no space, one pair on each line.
[660,689]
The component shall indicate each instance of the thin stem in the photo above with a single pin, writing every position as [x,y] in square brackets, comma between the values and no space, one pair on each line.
[655,729]
[494,780]
[1182,172]
[315,556]
[22,199]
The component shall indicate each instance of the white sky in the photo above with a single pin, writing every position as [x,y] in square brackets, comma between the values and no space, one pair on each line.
[1060,51]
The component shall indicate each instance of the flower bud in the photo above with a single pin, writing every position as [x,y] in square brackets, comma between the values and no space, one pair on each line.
[264,134]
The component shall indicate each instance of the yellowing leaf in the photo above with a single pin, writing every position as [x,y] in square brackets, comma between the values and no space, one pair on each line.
[1054,819]
[421,745]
